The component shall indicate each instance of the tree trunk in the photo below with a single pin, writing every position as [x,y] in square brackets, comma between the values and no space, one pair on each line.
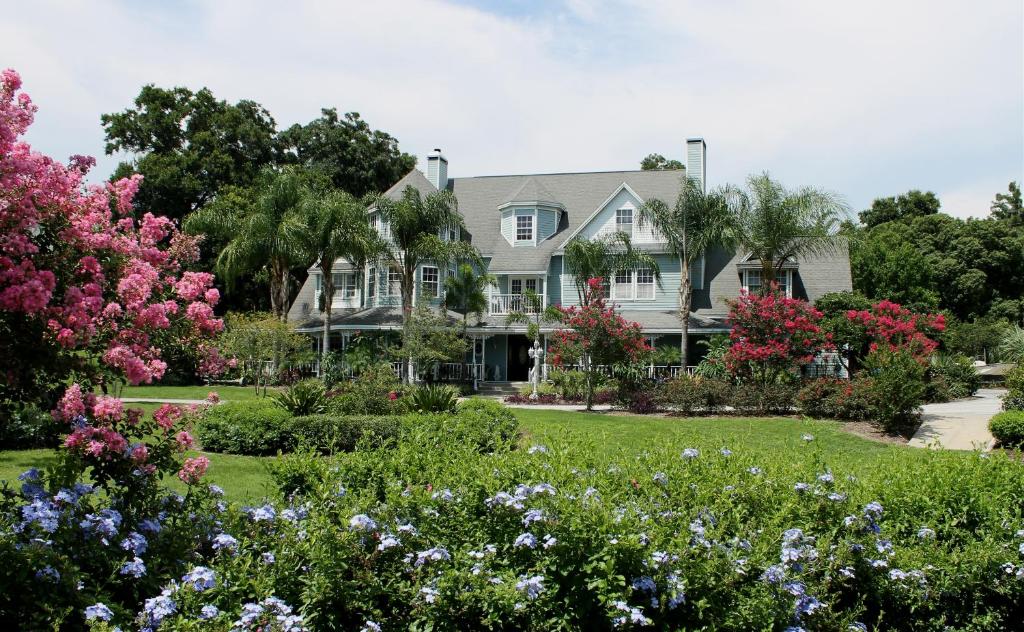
[408,288]
[328,297]
[767,276]
[685,300]
[589,367]
[275,288]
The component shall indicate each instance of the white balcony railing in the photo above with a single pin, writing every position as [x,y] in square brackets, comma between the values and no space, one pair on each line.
[509,303]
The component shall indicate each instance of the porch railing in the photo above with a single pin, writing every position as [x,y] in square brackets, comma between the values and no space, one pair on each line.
[508,303]
[654,371]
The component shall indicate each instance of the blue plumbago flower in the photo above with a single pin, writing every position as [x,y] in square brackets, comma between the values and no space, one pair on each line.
[224,542]
[407,528]
[251,612]
[388,541]
[883,546]
[794,588]
[200,578]
[66,496]
[801,487]
[633,615]
[645,584]
[660,558]
[216,491]
[436,554]
[341,491]
[774,574]
[429,594]
[31,474]
[150,526]
[857,626]
[849,521]
[725,452]
[847,572]
[489,549]
[661,478]
[533,515]
[98,611]
[756,471]
[544,488]
[793,535]
[445,495]
[806,604]
[362,522]
[41,512]
[370,626]
[531,586]
[677,596]
[826,478]
[268,558]
[537,449]
[505,499]
[103,523]
[591,493]
[157,609]
[897,575]
[208,612]
[1021,548]
[133,567]
[879,563]
[1020,533]
[527,539]
[925,533]
[836,497]
[549,541]
[135,542]
[873,509]
[691,453]
[266,513]
[808,437]
[794,628]
[48,572]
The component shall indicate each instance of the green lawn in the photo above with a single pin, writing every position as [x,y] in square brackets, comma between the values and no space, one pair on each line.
[247,478]
[229,393]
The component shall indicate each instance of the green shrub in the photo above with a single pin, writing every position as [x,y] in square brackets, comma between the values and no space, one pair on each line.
[896,389]
[307,397]
[1014,398]
[434,398]
[253,428]
[29,427]
[952,377]
[686,395]
[484,424]
[834,398]
[377,391]
[1008,428]
[299,473]
[570,385]
[330,434]
[763,398]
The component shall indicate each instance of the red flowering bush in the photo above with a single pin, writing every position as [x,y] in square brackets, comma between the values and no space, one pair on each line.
[595,335]
[894,327]
[87,290]
[772,335]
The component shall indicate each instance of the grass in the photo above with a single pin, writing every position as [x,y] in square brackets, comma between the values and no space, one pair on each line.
[228,393]
[247,478]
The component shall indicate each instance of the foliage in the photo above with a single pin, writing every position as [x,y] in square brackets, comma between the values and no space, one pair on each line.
[902,207]
[835,398]
[1014,398]
[1008,206]
[1012,347]
[354,158]
[254,428]
[480,425]
[896,390]
[689,396]
[713,366]
[375,391]
[764,398]
[893,327]
[1008,428]
[666,355]
[846,335]
[331,434]
[301,472]
[308,397]
[696,223]
[955,375]
[26,426]
[772,336]
[428,338]
[465,291]
[88,293]
[435,398]
[260,234]
[775,224]
[571,385]
[257,339]
[188,145]
[600,258]
[980,338]
[595,335]
[887,264]
[657,162]
[635,387]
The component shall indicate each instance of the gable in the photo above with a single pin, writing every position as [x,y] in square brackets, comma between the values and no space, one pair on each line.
[602,221]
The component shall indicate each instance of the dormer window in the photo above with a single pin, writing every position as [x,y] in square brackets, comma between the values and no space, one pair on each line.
[624,220]
[524,227]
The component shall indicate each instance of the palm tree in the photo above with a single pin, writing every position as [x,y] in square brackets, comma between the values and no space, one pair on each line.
[777,225]
[697,222]
[415,225]
[601,258]
[258,235]
[465,292]
[329,225]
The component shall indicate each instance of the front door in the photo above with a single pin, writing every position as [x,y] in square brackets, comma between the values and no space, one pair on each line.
[519,362]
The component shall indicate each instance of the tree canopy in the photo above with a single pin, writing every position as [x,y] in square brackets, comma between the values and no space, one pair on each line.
[657,162]
[906,206]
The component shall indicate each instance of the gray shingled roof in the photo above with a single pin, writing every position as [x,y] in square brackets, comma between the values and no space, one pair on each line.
[530,192]
[380,317]
[581,194]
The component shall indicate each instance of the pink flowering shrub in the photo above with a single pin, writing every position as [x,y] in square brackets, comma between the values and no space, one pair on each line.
[772,335]
[88,290]
[895,328]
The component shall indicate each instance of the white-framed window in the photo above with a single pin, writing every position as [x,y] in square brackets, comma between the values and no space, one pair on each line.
[524,227]
[752,281]
[624,220]
[429,281]
[347,286]
[394,282]
[371,282]
[644,283]
[623,288]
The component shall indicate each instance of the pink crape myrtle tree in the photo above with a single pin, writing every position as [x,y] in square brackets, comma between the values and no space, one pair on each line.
[772,336]
[91,294]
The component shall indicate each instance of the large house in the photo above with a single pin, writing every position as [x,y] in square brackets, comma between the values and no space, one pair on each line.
[521,224]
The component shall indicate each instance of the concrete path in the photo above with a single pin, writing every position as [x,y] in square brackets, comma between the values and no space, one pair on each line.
[959,425]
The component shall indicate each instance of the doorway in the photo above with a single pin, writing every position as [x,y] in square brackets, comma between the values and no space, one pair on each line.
[519,361]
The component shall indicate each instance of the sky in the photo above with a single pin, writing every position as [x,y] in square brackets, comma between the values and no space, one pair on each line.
[865,99]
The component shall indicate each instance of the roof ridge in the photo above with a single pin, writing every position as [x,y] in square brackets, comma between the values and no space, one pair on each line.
[568,173]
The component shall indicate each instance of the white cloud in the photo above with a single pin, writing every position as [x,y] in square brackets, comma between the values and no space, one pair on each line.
[869,99]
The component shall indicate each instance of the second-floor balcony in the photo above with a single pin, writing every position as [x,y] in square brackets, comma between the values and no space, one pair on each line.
[503,304]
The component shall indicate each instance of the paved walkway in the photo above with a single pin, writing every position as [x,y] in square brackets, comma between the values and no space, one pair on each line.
[959,425]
